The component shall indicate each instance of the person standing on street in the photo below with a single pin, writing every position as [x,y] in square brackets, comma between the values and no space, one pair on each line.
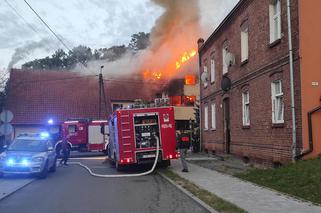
[183,142]
[65,150]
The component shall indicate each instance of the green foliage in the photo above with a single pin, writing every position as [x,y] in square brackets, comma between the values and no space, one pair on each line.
[301,179]
[139,41]
[61,60]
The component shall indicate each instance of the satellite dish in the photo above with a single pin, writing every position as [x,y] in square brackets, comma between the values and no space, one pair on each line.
[6,116]
[6,129]
[226,84]
[229,59]
[204,77]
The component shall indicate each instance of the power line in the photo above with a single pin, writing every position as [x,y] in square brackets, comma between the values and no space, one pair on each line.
[20,16]
[59,39]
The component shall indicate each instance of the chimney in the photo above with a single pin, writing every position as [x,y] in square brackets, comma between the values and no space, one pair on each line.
[200,43]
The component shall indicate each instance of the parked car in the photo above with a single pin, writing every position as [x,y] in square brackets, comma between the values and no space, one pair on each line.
[29,154]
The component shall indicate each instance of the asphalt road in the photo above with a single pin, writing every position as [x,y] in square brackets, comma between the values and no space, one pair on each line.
[72,189]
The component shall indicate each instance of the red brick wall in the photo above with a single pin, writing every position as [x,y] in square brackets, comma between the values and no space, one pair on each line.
[262,140]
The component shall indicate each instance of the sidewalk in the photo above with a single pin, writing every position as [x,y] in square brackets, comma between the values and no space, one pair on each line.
[245,195]
[10,185]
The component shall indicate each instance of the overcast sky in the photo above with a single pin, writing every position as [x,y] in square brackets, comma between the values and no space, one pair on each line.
[95,23]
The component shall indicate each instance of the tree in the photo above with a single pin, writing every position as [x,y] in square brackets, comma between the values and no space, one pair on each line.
[79,54]
[139,41]
[59,60]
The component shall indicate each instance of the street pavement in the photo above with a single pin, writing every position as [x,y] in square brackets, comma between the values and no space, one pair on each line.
[250,197]
[72,189]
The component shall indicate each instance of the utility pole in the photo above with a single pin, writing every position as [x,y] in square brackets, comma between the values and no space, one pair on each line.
[102,92]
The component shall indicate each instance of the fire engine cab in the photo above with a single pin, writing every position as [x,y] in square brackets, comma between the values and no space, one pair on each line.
[134,134]
[86,135]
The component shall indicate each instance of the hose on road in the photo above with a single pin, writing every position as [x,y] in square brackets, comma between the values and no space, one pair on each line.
[122,175]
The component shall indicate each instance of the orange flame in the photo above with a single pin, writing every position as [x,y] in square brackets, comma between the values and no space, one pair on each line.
[157,75]
[184,58]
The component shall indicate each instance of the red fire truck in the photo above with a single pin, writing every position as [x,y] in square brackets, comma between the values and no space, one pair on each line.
[85,135]
[134,133]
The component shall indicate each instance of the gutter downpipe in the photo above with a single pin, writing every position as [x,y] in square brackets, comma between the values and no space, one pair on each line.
[310,128]
[200,42]
[294,140]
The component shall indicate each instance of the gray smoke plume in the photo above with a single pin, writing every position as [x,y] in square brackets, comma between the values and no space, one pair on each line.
[175,31]
[180,19]
[27,49]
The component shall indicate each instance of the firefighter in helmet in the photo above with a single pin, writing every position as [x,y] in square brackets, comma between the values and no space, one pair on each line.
[183,144]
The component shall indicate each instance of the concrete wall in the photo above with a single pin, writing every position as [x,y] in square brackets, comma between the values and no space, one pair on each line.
[310,52]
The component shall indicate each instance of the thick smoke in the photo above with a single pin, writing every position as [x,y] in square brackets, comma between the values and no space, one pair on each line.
[179,23]
[27,49]
[176,31]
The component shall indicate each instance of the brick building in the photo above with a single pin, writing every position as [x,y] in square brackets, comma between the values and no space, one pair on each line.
[249,55]
[34,97]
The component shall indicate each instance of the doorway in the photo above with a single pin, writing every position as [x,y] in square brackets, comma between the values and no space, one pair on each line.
[227,131]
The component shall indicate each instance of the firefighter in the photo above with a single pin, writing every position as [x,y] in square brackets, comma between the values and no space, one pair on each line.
[65,150]
[183,143]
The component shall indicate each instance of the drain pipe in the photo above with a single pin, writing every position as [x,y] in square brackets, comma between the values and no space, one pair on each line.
[294,142]
[310,129]
[200,43]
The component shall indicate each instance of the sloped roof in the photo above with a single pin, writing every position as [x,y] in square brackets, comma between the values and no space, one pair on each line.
[36,96]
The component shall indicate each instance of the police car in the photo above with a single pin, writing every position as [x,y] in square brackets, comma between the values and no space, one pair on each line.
[29,154]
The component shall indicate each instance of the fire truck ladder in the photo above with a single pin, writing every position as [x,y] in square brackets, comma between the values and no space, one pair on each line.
[126,135]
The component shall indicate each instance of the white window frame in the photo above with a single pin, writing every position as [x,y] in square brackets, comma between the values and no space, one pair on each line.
[213,113]
[244,44]
[205,70]
[246,108]
[277,100]
[225,67]
[206,117]
[275,20]
[212,70]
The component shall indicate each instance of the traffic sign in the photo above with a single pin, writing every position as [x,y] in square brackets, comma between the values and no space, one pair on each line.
[6,129]
[6,116]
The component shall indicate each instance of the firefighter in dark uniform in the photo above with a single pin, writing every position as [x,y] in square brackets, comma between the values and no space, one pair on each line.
[183,143]
[63,150]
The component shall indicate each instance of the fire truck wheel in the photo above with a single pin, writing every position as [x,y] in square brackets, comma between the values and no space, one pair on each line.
[119,167]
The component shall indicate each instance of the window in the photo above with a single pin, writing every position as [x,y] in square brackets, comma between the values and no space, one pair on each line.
[212,70]
[244,43]
[72,128]
[206,118]
[275,20]
[117,106]
[246,108]
[205,73]
[213,110]
[224,52]
[277,102]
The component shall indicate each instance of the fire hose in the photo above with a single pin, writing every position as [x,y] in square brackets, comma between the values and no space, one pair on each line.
[122,175]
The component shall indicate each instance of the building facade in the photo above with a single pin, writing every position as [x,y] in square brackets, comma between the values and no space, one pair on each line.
[246,84]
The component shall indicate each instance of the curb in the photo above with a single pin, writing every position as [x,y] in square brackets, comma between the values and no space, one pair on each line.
[193,197]
[16,189]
